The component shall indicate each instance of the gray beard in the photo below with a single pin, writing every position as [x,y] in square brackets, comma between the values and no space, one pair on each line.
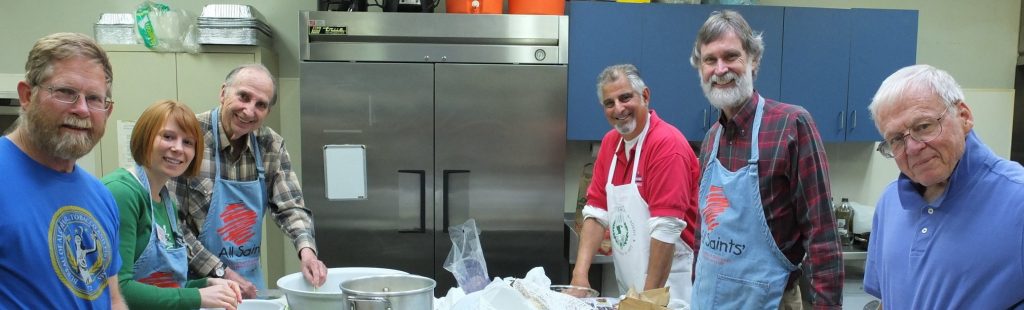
[626,128]
[731,97]
[50,140]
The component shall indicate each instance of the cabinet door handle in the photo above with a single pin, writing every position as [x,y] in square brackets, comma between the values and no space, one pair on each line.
[704,124]
[853,120]
[444,198]
[423,202]
[842,120]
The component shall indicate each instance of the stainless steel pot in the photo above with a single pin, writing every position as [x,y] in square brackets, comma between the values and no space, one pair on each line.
[389,292]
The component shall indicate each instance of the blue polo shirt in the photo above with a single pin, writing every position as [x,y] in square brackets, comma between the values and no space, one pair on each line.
[963,251]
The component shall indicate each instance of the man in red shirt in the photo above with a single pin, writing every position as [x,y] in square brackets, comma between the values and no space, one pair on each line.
[644,190]
[764,190]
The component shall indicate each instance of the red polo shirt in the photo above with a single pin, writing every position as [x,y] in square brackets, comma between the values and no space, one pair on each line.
[667,178]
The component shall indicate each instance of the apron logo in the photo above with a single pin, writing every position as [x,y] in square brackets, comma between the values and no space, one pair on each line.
[160,279]
[621,232]
[80,251]
[715,205]
[238,223]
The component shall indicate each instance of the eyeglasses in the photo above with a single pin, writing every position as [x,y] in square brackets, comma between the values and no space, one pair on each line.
[70,95]
[922,131]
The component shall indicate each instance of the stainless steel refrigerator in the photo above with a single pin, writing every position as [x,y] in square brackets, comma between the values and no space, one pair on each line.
[462,116]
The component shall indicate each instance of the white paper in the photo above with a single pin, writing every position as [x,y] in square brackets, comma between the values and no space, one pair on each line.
[124,146]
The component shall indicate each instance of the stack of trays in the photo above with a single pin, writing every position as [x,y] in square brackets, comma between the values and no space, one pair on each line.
[233,24]
[115,28]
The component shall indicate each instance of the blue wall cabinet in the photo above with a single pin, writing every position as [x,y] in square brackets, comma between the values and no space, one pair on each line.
[815,66]
[600,34]
[881,42]
[830,61]
[658,39]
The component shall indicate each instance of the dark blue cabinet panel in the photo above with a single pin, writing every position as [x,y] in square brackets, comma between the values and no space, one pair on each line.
[815,66]
[669,32]
[881,42]
[600,34]
[658,38]
[830,61]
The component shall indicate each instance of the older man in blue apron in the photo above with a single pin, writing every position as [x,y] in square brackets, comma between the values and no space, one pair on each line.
[764,191]
[643,191]
[246,171]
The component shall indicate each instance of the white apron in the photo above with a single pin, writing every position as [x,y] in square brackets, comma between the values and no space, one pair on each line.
[628,216]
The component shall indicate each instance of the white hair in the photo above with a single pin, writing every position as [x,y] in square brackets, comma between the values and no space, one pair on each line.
[914,78]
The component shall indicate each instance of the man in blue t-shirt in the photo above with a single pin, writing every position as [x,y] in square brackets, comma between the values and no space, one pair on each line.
[949,232]
[58,233]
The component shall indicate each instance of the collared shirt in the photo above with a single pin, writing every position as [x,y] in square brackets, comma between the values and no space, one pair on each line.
[667,177]
[965,250]
[285,194]
[794,182]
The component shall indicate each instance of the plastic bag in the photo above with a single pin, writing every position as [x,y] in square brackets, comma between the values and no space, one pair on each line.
[163,29]
[466,259]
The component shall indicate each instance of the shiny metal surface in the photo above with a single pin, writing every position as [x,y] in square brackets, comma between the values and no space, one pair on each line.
[453,38]
[496,131]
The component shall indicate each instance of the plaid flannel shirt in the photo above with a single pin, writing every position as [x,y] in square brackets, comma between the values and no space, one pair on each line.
[285,195]
[794,183]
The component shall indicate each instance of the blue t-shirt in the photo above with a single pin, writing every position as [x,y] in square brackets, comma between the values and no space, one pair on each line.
[58,236]
[963,251]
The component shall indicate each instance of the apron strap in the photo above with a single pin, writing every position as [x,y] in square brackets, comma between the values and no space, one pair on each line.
[636,155]
[755,154]
[260,170]
[140,175]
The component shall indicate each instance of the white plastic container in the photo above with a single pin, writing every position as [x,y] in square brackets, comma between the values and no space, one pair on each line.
[302,296]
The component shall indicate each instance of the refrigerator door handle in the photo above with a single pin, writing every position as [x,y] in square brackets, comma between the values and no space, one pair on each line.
[444,198]
[423,202]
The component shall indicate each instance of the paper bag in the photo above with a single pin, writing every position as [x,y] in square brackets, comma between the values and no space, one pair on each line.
[656,299]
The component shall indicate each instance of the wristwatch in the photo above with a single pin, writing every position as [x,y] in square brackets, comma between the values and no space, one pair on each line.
[218,272]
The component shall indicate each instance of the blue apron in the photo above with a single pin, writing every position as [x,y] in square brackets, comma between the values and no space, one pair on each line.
[159,264]
[739,266]
[233,226]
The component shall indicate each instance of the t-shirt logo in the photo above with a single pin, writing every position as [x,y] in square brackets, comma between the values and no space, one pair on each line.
[161,279]
[238,223]
[80,251]
[716,204]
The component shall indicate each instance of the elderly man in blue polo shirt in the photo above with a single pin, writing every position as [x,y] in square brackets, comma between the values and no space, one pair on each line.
[949,232]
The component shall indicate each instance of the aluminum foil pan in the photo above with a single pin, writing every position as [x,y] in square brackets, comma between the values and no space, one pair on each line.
[242,11]
[116,19]
[233,36]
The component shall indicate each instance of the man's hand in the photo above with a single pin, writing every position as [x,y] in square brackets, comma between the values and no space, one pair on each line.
[312,268]
[248,289]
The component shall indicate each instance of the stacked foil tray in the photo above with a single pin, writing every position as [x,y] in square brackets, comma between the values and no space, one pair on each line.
[233,24]
[116,28]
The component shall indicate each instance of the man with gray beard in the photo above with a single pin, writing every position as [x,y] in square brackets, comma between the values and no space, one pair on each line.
[58,236]
[764,175]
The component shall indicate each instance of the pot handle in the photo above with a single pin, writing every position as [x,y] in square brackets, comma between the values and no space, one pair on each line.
[353,299]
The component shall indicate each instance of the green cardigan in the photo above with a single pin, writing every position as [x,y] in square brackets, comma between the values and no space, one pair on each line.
[133,203]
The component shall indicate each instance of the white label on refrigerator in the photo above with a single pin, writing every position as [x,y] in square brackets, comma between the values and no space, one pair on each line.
[345,171]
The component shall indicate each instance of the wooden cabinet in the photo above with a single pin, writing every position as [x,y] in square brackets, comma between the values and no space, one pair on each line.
[142,77]
[830,61]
